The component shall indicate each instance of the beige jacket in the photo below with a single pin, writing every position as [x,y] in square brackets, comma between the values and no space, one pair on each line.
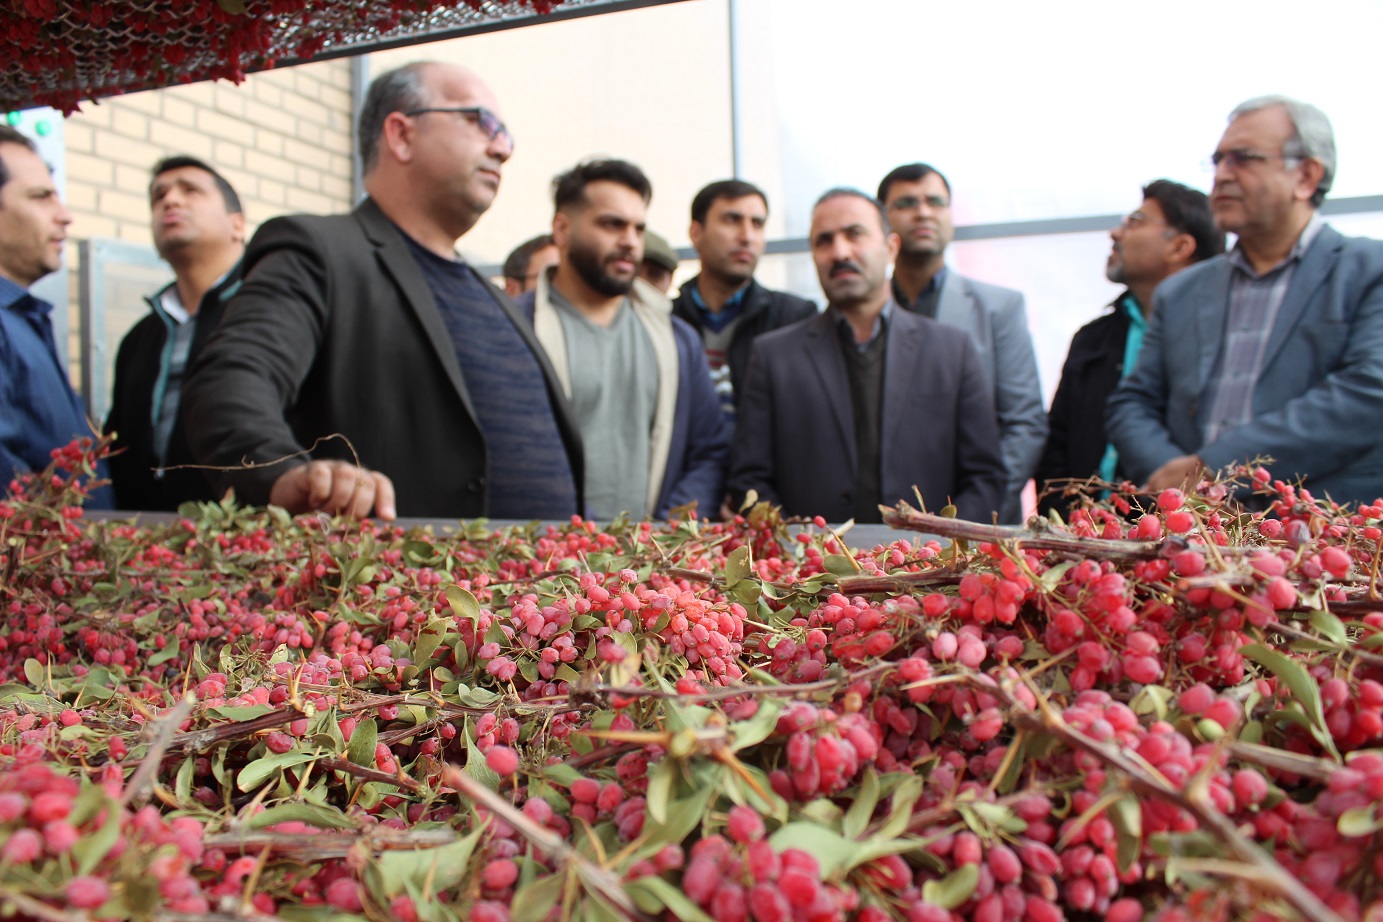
[654,311]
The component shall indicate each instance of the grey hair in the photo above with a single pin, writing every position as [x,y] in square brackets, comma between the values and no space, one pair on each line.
[398,90]
[1312,138]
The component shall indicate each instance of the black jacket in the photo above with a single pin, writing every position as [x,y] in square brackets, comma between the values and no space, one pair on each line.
[141,368]
[333,333]
[764,310]
[1076,438]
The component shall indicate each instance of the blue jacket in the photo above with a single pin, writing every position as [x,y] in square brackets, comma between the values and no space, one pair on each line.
[691,444]
[39,411]
[1319,395]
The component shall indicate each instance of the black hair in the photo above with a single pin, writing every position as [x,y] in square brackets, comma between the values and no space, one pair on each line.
[1187,211]
[911,172]
[516,263]
[839,191]
[722,189]
[179,161]
[569,188]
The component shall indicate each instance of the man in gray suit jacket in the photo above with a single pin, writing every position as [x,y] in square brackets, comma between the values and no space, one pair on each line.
[1276,348]
[860,404]
[918,199]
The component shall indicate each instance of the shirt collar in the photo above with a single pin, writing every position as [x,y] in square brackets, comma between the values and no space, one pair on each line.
[13,296]
[1129,305]
[1304,240]
[718,320]
[847,332]
[937,281]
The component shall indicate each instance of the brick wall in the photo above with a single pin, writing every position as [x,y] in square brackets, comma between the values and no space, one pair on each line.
[282,138]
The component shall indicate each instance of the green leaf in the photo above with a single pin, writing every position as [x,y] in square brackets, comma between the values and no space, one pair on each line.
[1359,821]
[840,565]
[653,894]
[561,774]
[831,850]
[463,604]
[429,638]
[659,792]
[265,767]
[1127,817]
[1052,578]
[35,674]
[234,7]
[446,866]
[682,817]
[533,902]
[747,592]
[90,849]
[313,815]
[999,817]
[737,565]
[476,766]
[862,806]
[1304,689]
[953,890]
[900,811]
[1152,699]
[758,728]
[361,747]
[1329,626]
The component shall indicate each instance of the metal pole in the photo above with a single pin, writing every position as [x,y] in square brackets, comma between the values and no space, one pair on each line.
[736,134]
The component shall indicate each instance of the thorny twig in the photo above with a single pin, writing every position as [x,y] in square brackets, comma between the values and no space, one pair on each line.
[1194,801]
[163,736]
[545,840]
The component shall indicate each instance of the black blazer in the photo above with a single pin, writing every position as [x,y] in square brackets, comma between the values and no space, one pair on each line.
[1076,438]
[333,331]
[135,466]
[795,436]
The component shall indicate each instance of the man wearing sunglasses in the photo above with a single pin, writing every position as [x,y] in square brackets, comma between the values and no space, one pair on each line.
[363,367]
[1275,349]
[1170,230]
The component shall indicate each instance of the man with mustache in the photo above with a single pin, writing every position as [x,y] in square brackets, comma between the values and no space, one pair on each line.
[363,365]
[39,411]
[865,403]
[918,199]
[199,230]
[1170,230]
[1274,349]
[636,376]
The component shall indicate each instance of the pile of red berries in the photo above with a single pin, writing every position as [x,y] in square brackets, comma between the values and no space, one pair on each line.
[1169,712]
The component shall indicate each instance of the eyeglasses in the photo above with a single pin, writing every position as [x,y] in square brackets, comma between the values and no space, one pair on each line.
[1138,219]
[482,117]
[1241,159]
[912,202]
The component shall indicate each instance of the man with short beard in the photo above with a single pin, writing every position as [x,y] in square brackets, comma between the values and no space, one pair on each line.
[636,376]
[918,199]
[865,404]
[1169,231]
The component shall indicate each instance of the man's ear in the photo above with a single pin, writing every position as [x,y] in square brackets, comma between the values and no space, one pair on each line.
[1182,250]
[397,136]
[1312,171]
[238,226]
[696,232]
[561,230]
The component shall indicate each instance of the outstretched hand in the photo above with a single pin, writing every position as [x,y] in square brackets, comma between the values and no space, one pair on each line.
[336,487]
